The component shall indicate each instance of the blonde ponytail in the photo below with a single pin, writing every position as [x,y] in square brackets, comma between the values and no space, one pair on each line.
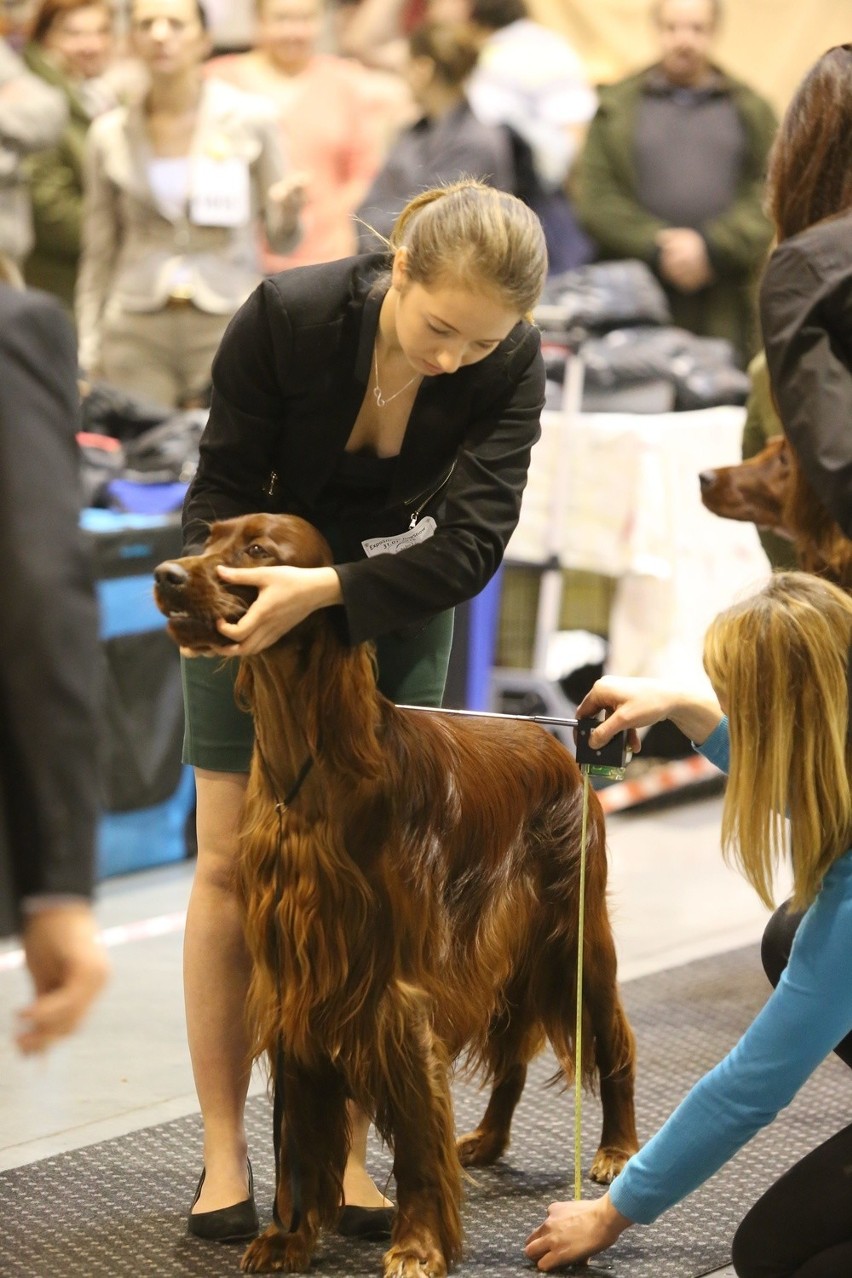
[475,235]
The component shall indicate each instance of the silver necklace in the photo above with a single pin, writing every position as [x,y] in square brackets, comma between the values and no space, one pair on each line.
[380,399]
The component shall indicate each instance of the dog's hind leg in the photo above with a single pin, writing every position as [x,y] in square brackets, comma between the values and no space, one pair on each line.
[511,1043]
[608,1047]
[415,1115]
[615,1050]
[484,1145]
[315,1137]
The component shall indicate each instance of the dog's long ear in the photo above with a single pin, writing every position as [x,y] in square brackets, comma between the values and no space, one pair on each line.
[244,686]
[342,705]
[820,544]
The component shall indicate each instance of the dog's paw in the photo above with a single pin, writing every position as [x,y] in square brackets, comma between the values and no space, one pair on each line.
[479,1148]
[607,1163]
[275,1253]
[409,1262]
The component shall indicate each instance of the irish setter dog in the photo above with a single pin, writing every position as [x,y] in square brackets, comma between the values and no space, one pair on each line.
[770,490]
[409,886]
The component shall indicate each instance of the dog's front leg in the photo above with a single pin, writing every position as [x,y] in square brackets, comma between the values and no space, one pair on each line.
[416,1115]
[314,1142]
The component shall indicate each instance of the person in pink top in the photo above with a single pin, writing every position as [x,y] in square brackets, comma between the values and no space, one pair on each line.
[327,125]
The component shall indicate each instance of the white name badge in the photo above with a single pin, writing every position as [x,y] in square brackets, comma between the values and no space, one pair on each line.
[392,545]
[220,192]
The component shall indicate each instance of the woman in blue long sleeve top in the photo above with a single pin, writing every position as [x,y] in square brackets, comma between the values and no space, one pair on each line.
[778,664]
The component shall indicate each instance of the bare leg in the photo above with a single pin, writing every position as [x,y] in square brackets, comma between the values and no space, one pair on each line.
[216,973]
[359,1189]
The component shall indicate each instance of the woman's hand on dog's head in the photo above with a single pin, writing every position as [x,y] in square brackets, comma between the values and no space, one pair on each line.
[286,595]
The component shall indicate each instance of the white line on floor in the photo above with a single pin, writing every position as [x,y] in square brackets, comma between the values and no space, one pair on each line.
[121,934]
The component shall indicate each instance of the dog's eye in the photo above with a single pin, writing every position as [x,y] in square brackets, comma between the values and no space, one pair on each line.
[256,551]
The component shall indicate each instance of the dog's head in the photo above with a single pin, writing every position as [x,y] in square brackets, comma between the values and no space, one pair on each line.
[755,491]
[190,592]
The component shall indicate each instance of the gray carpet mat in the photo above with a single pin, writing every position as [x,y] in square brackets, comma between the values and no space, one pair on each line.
[119,1207]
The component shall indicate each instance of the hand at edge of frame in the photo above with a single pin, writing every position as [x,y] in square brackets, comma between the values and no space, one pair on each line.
[69,968]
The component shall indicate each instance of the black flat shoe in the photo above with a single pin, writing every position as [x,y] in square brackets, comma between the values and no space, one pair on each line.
[365,1222]
[227,1224]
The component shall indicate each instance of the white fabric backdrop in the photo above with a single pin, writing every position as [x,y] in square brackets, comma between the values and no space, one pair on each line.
[618,494]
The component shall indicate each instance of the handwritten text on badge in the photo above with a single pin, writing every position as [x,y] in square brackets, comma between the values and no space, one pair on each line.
[392,545]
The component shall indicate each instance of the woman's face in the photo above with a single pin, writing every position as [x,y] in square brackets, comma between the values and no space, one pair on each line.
[445,326]
[288,31]
[168,35]
[686,31]
[81,41]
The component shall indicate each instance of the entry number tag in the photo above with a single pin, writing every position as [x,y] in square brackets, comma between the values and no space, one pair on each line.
[392,545]
[220,192]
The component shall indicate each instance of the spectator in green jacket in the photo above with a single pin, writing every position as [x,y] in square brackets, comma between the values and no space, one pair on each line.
[70,48]
[673,173]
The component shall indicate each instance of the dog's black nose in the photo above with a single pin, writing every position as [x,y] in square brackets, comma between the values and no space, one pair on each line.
[707,479]
[170,574]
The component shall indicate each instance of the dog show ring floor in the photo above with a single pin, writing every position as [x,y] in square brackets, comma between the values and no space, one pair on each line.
[119,1207]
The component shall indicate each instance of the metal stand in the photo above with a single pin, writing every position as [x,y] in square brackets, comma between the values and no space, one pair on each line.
[531,692]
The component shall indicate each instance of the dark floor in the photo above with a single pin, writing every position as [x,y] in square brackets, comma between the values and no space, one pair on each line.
[118,1207]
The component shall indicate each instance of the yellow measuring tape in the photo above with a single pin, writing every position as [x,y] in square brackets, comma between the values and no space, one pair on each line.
[578,1033]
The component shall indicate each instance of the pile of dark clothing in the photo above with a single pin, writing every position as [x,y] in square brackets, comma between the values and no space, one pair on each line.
[616,315]
[137,456]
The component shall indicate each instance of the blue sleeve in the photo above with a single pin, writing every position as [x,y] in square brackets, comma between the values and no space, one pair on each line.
[717,747]
[803,1020]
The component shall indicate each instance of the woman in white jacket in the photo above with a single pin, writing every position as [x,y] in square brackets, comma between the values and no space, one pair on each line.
[176,186]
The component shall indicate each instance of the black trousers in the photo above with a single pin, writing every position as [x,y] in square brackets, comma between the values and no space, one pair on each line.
[802,1226]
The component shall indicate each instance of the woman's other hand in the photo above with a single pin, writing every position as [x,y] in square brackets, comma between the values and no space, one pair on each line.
[289,193]
[285,597]
[574,1231]
[69,968]
[638,703]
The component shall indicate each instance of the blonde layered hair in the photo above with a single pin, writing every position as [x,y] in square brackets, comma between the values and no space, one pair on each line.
[473,234]
[778,662]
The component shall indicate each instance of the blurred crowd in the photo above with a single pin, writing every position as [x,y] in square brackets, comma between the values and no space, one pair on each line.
[149,178]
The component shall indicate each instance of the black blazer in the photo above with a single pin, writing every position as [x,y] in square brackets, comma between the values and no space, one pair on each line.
[806,312]
[288,383]
[49,649]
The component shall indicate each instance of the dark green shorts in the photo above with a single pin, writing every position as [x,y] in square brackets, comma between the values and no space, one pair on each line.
[219,736]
